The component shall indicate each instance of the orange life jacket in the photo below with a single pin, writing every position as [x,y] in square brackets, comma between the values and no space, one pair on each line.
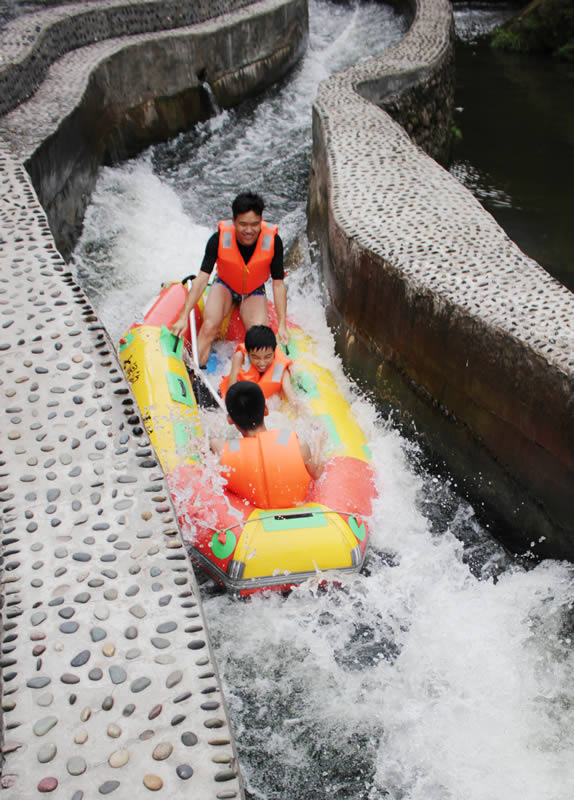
[231,268]
[267,469]
[269,381]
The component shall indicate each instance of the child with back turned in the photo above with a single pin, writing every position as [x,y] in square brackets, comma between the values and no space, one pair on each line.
[260,360]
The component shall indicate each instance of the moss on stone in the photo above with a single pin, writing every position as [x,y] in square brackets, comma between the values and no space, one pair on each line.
[455,132]
[566,52]
[544,26]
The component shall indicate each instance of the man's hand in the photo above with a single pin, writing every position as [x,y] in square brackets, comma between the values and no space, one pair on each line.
[216,445]
[197,288]
[283,333]
[280,300]
[179,326]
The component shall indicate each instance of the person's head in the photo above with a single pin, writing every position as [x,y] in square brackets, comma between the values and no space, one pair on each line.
[245,403]
[260,343]
[247,209]
[247,201]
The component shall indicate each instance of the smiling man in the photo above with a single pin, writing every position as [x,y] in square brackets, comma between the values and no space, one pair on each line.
[247,251]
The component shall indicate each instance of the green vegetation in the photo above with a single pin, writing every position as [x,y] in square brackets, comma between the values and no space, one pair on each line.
[507,40]
[566,52]
[455,132]
[544,26]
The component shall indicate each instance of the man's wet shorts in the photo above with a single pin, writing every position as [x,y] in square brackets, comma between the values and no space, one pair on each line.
[237,298]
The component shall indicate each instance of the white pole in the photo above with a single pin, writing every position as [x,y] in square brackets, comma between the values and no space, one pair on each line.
[195,356]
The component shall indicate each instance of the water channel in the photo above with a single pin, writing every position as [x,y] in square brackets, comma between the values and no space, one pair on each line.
[445,670]
[516,152]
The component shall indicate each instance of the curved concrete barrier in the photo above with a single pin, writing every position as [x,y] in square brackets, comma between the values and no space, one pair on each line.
[439,309]
[106,101]
[109,685]
[33,42]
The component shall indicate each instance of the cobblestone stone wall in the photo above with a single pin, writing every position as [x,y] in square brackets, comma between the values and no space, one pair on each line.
[108,678]
[421,99]
[33,42]
[106,101]
[444,314]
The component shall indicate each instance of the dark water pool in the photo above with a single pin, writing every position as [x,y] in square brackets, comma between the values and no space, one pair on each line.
[516,154]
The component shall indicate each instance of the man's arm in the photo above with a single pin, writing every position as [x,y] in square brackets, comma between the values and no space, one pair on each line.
[236,363]
[291,396]
[313,460]
[280,300]
[217,445]
[198,286]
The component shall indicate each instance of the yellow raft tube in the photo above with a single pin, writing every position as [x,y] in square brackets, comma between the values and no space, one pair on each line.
[248,549]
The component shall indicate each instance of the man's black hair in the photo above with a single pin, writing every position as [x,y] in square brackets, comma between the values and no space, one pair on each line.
[260,337]
[245,403]
[247,201]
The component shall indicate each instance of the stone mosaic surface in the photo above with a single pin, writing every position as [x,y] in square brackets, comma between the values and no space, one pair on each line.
[393,200]
[109,684]
[65,82]
[28,125]
[29,44]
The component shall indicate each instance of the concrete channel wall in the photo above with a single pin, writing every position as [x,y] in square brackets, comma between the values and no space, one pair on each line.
[105,101]
[109,684]
[437,309]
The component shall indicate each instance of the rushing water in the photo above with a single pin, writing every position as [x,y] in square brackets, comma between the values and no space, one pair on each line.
[445,670]
[516,115]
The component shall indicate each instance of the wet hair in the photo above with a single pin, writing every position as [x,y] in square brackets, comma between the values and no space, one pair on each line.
[260,337]
[245,403]
[247,201]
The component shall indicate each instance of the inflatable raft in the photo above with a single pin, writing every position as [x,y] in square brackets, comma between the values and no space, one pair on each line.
[244,548]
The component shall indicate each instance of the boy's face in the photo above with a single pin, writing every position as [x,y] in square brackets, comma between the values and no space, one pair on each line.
[261,358]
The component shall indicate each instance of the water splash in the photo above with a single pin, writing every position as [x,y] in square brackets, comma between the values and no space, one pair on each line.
[213,104]
[445,669]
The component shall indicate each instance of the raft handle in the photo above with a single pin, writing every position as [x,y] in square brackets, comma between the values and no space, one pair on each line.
[262,517]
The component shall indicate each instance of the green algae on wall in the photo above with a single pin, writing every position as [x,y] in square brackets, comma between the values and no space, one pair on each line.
[544,26]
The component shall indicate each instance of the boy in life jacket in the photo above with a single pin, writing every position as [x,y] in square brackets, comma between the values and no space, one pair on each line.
[261,361]
[271,469]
